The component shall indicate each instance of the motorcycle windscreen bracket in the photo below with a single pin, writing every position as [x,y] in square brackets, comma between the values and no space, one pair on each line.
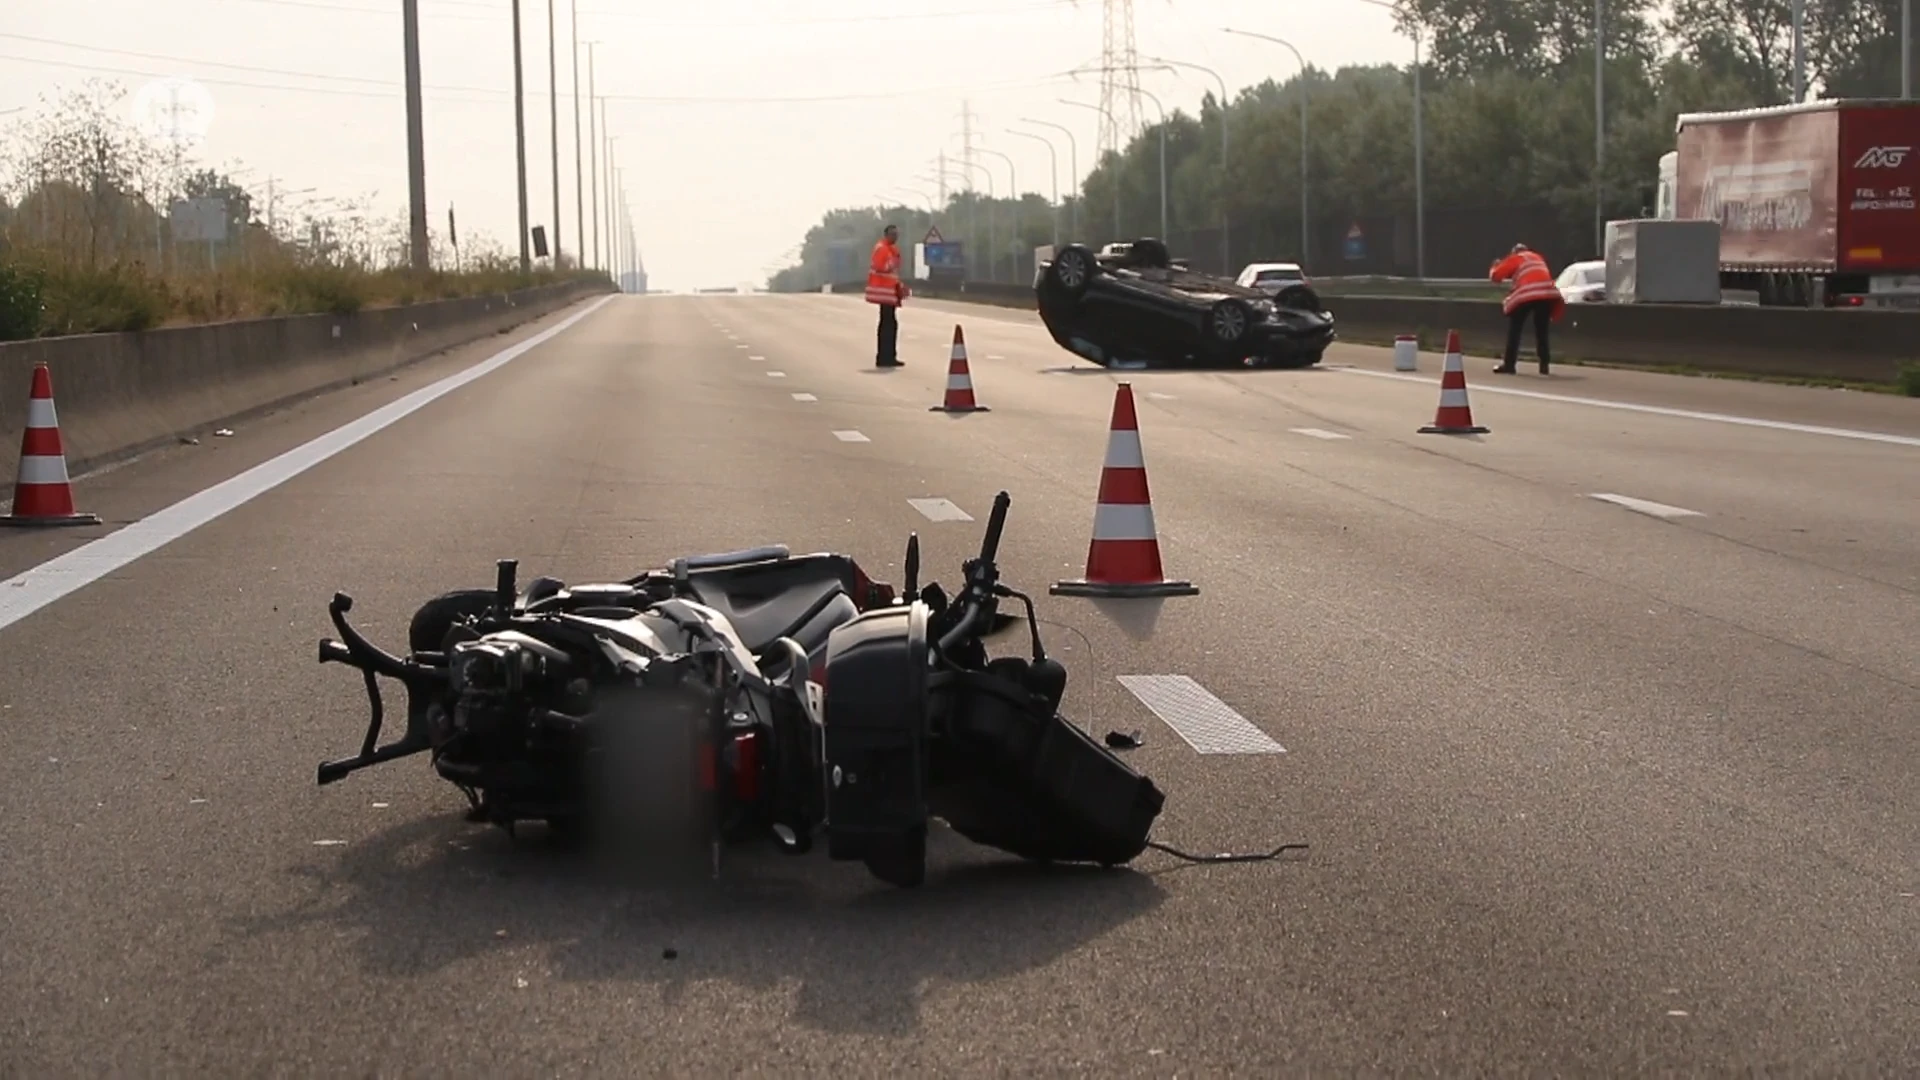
[876,715]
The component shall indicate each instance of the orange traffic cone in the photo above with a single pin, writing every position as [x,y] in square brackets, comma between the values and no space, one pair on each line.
[959,381]
[1124,558]
[1455,416]
[42,494]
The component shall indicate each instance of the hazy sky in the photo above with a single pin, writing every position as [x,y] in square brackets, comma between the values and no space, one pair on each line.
[726,164]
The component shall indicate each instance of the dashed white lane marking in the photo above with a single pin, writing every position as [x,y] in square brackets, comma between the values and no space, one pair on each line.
[1318,433]
[1659,410]
[805,397]
[776,374]
[29,591]
[1158,396]
[1646,506]
[995,356]
[850,436]
[1208,724]
[751,357]
[742,346]
[940,510]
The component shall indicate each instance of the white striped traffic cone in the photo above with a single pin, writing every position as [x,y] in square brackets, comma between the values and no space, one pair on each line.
[1454,416]
[1124,558]
[42,493]
[959,397]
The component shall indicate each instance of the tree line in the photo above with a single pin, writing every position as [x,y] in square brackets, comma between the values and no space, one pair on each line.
[1508,94]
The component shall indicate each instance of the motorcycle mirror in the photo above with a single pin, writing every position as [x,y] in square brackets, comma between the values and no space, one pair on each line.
[505,585]
[913,565]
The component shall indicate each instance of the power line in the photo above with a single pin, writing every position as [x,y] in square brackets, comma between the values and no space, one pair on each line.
[651,22]
[394,88]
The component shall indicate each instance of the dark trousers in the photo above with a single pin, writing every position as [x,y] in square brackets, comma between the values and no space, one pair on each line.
[1542,313]
[889,335]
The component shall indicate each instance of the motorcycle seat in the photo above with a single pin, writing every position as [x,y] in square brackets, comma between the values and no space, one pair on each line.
[768,601]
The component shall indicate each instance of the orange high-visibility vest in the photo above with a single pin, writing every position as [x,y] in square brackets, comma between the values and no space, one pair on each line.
[883,276]
[1531,281]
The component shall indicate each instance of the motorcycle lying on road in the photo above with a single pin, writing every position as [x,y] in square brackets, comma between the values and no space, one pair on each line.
[755,694]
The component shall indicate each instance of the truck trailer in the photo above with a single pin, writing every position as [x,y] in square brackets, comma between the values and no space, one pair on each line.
[1815,202]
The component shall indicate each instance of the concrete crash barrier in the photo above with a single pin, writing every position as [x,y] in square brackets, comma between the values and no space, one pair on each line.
[117,395]
[1810,343]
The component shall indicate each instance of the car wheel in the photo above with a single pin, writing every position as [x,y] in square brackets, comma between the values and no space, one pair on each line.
[1073,269]
[1227,322]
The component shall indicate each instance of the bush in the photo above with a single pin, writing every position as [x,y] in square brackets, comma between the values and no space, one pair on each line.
[1910,378]
[114,298]
[21,288]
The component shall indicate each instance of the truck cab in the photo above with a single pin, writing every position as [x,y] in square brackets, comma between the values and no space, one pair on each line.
[1663,199]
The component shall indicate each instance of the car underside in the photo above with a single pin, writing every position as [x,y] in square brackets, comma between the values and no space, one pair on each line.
[1134,305]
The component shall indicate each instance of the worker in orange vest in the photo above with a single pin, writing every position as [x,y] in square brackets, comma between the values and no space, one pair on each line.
[885,288]
[1534,295]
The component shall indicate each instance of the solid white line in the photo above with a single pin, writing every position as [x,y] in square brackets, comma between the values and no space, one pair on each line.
[776,374]
[1209,725]
[1317,433]
[805,397]
[940,510]
[1658,410]
[31,590]
[850,436]
[1646,506]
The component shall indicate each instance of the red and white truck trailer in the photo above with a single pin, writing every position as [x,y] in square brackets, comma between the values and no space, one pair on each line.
[1816,202]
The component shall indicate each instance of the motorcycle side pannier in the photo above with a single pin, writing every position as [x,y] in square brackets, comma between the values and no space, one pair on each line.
[874,709]
[1025,780]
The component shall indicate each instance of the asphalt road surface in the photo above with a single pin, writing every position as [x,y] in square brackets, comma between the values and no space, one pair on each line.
[1592,786]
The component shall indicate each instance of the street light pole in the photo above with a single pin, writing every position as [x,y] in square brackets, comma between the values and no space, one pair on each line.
[579,175]
[1799,51]
[1013,187]
[1305,230]
[593,155]
[553,125]
[1599,130]
[1163,159]
[1053,169]
[416,139]
[991,214]
[1116,171]
[520,138]
[1073,168]
[1226,227]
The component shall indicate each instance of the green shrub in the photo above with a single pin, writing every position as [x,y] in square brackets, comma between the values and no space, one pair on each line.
[1910,378]
[115,298]
[21,291]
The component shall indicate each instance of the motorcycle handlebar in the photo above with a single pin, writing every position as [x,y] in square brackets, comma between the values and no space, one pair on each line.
[984,573]
[990,544]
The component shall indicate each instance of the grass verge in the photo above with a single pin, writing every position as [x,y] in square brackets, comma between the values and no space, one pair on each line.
[44,296]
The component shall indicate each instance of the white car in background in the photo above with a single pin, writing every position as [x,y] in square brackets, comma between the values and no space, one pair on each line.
[1584,282]
[1270,277]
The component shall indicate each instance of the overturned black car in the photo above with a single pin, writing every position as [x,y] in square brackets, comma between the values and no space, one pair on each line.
[1134,303]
